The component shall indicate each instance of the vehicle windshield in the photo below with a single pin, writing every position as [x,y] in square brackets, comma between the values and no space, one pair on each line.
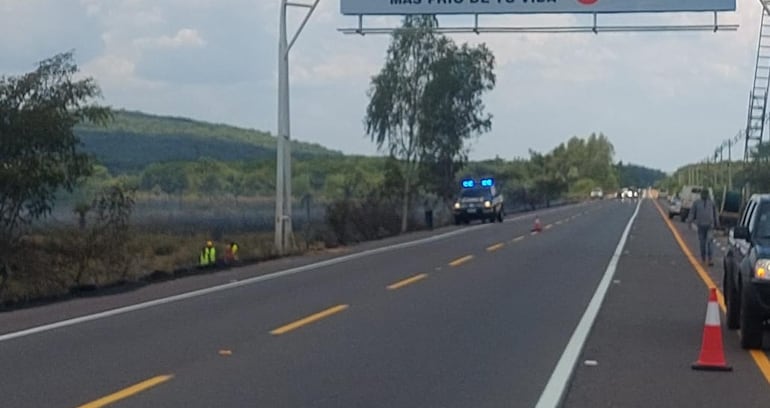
[762,225]
[475,193]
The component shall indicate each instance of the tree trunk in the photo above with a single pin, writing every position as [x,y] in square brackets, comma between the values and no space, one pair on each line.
[5,273]
[405,205]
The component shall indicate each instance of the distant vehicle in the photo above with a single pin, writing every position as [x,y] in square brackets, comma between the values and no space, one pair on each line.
[674,207]
[689,195]
[597,193]
[479,201]
[747,272]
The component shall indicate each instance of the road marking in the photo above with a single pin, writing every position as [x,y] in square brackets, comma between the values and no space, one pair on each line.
[557,384]
[549,226]
[495,247]
[225,352]
[127,392]
[559,222]
[407,281]
[760,358]
[517,239]
[309,319]
[460,261]
[257,279]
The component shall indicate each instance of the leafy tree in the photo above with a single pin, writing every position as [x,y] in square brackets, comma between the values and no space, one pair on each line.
[425,102]
[39,152]
[392,117]
[452,112]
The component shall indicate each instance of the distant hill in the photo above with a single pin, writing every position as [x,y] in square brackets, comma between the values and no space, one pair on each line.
[134,140]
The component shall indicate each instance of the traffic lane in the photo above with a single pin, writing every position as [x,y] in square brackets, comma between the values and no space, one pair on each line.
[106,354]
[23,319]
[485,334]
[15,320]
[649,332]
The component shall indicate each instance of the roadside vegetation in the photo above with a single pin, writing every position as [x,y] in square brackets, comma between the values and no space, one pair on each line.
[94,198]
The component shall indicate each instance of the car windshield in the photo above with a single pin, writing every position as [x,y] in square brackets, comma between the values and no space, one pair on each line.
[474,193]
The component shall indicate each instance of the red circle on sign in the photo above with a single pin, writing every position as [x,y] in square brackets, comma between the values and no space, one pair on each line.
[587,2]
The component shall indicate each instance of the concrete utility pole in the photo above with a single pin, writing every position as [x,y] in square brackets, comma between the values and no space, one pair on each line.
[283,228]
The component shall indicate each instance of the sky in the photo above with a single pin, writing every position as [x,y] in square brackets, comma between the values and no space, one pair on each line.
[663,99]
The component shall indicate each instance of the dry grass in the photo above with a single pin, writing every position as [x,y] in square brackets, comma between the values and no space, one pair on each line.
[47,263]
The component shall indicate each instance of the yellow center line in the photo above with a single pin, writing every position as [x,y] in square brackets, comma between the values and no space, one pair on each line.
[127,392]
[549,226]
[559,222]
[517,239]
[495,247]
[407,281]
[760,358]
[309,319]
[460,261]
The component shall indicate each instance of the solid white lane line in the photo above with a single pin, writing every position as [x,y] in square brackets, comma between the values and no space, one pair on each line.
[557,384]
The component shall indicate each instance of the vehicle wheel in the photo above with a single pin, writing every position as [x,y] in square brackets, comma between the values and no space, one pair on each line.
[751,324]
[683,216]
[500,216]
[731,301]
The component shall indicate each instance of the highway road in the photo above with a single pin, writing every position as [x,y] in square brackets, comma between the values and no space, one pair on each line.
[474,316]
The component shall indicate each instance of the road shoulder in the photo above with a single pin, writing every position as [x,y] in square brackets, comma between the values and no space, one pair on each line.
[649,332]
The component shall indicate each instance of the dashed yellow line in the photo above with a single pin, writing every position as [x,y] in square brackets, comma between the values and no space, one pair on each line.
[517,239]
[760,358]
[407,281]
[495,247]
[559,222]
[309,319]
[127,392]
[460,261]
[549,226]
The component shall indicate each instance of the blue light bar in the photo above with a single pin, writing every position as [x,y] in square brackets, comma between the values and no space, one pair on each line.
[487,182]
[468,183]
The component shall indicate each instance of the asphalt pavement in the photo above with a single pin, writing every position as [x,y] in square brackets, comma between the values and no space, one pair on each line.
[477,319]
[650,329]
[470,316]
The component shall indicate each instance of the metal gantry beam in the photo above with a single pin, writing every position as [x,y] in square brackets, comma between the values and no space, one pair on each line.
[284,237]
[594,28]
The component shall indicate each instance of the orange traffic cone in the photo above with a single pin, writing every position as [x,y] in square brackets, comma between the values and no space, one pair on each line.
[712,356]
[537,227]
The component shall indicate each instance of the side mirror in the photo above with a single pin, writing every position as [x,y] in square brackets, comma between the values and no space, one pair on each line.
[741,232]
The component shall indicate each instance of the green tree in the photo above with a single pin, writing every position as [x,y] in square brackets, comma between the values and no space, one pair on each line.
[452,112]
[393,113]
[39,152]
[425,102]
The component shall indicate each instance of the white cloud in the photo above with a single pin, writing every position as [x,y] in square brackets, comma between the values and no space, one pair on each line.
[185,37]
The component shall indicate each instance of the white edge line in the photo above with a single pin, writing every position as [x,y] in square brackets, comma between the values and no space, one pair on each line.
[249,281]
[554,390]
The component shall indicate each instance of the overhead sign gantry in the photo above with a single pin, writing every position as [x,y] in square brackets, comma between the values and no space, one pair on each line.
[593,8]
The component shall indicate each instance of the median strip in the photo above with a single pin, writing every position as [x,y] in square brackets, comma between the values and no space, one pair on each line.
[495,247]
[407,281]
[460,261]
[309,319]
[127,392]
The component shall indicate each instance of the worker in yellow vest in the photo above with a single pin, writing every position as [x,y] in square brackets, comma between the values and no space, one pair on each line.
[208,256]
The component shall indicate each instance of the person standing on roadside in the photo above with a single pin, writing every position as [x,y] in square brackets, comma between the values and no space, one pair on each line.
[704,215]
